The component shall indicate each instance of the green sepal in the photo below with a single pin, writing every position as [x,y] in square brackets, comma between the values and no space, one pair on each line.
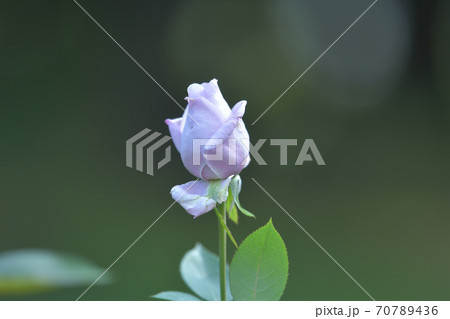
[236,185]
[231,208]
[216,191]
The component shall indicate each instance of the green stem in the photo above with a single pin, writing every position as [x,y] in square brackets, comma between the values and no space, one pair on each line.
[230,235]
[223,253]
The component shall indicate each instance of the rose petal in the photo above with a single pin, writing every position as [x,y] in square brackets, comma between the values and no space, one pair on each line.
[236,157]
[239,109]
[176,127]
[209,91]
[199,197]
[207,107]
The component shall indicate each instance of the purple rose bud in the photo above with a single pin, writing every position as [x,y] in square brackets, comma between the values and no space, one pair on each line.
[211,137]
[214,146]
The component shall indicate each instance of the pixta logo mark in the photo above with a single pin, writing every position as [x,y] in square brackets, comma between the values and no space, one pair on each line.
[141,148]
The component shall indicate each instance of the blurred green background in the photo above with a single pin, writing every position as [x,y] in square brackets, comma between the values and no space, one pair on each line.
[377,105]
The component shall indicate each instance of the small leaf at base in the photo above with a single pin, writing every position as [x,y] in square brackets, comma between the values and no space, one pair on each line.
[175,296]
[199,269]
